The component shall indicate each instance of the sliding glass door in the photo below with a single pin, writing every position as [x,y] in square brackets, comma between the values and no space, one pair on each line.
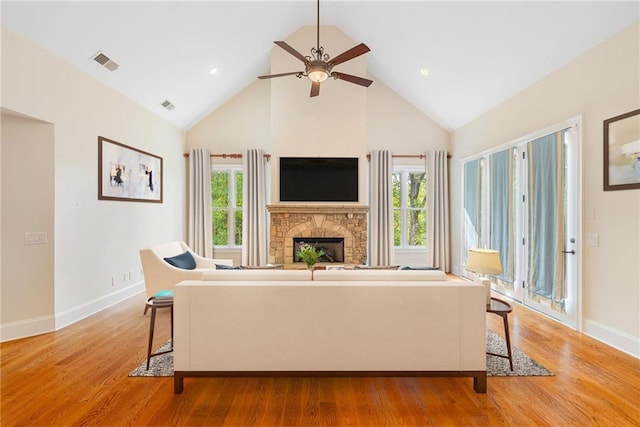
[522,200]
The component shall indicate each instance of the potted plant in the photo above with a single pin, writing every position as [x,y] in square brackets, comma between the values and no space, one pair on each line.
[309,254]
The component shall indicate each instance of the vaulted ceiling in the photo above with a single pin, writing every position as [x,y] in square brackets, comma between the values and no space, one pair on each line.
[478,54]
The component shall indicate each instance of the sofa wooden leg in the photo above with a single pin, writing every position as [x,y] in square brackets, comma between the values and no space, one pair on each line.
[480,383]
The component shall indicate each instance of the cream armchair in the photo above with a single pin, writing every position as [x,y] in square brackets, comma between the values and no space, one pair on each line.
[160,275]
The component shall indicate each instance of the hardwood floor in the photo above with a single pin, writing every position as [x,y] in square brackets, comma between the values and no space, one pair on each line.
[78,376]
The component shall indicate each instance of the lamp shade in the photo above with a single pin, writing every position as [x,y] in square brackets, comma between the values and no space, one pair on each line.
[484,261]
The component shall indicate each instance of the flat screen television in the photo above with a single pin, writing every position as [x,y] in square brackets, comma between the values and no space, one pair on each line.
[318,179]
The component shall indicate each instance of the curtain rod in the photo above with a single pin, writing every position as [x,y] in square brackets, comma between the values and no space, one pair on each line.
[230,155]
[408,156]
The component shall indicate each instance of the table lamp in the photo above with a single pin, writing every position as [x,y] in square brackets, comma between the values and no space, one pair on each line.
[484,261]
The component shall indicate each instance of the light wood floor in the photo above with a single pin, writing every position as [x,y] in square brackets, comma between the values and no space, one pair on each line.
[78,376]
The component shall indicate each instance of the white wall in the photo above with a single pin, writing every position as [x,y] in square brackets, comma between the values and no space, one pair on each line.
[95,241]
[27,273]
[598,85]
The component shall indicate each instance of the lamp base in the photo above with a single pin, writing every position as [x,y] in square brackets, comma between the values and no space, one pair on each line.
[487,286]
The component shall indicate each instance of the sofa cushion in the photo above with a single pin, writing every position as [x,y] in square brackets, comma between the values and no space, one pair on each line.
[379,275]
[184,261]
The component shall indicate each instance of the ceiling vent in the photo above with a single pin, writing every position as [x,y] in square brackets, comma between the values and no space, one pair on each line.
[168,105]
[105,61]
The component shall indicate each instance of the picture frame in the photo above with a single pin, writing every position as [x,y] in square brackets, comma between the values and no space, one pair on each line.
[128,174]
[622,152]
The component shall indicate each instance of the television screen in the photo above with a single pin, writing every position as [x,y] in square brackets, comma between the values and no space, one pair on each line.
[318,179]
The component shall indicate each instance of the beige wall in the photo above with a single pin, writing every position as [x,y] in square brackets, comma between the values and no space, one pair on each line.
[598,85]
[95,241]
[27,273]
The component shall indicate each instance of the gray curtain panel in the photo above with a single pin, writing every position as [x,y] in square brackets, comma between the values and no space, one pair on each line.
[254,209]
[438,245]
[200,238]
[381,213]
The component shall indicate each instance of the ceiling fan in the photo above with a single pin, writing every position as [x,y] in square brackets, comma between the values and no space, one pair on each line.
[319,66]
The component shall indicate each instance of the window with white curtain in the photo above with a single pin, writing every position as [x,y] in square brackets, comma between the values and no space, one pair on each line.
[409,207]
[226,206]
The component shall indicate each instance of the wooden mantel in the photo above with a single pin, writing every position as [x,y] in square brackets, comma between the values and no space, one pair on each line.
[317,208]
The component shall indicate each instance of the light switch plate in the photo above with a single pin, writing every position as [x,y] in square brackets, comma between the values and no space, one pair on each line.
[593,240]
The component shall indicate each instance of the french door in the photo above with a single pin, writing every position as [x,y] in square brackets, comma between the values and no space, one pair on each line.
[522,200]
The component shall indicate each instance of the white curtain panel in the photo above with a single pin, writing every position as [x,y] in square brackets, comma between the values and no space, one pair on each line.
[200,238]
[381,213]
[438,244]
[254,209]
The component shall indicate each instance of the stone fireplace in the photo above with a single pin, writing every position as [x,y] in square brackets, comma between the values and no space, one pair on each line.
[317,222]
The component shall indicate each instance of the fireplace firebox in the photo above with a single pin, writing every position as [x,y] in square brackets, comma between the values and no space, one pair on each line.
[333,247]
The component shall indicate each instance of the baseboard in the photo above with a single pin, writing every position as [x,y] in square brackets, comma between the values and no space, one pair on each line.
[613,337]
[76,314]
[27,328]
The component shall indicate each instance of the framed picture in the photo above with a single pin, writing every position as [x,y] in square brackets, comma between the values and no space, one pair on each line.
[128,174]
[622,152]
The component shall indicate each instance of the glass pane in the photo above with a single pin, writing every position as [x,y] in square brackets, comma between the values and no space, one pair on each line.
[220,227]
[416,190]
[416,227]
[396,227]
[238,227]
[219,189]
[238,176]
[395,182]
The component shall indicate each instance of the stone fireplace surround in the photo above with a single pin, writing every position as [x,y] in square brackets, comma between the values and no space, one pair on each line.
[317,220]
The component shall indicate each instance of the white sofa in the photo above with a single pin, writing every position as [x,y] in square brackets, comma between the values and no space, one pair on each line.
[330,326]
[160,275]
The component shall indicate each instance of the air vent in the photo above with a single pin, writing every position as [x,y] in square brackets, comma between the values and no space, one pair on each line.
[168,105]
[105,61]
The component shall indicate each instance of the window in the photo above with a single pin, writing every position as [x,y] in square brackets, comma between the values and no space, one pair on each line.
[409,208]
[226,206]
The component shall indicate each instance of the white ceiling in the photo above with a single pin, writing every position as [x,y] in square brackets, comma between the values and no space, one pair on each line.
[478,53]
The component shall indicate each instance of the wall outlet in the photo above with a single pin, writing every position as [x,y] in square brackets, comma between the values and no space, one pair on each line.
[35,238]
[113,281]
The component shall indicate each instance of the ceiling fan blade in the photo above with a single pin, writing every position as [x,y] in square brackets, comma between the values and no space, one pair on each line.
[315,89]
[352,79]
[270,76]
[292,51]
[349,54]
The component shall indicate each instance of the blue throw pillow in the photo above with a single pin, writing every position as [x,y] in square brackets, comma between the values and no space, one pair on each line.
[184,261]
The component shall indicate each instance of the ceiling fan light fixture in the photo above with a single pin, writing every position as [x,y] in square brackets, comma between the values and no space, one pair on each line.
[318,74]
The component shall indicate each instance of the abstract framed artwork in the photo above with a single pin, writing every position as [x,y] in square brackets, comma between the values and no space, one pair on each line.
[622,152]
[128,174]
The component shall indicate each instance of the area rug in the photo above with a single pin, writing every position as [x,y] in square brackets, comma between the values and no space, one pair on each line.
[523,365]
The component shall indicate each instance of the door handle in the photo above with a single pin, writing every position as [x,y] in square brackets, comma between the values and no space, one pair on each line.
[572,252]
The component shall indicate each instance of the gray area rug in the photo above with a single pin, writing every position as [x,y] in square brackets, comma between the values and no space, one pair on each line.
[523,365]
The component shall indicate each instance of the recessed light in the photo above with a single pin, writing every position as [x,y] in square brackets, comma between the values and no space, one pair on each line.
[424,71]
[213,71]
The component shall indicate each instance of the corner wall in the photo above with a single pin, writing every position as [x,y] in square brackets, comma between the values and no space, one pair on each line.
[96,242]
[600,84]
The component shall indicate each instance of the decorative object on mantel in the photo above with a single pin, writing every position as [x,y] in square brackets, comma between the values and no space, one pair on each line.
[523,365]
[484,261]
[319,66]
[309,254]
[622,152]
[128,174]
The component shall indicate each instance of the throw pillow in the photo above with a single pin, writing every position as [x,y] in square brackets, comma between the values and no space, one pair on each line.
[226,267]
[408,267]
[184,261]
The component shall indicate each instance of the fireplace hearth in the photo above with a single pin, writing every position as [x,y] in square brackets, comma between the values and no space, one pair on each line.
[333,247]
